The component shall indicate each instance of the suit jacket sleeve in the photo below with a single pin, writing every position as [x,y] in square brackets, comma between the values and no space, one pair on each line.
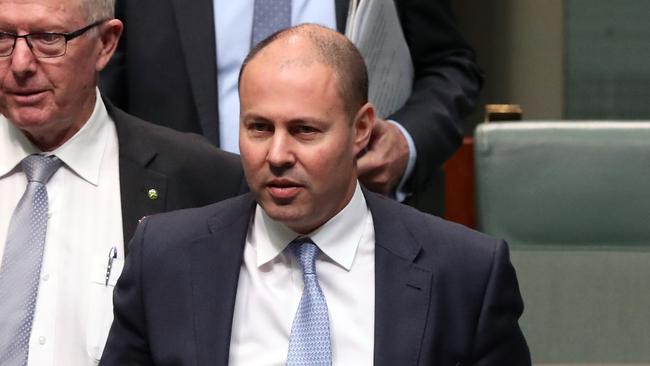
[127,344]
[498,339]
[445,88]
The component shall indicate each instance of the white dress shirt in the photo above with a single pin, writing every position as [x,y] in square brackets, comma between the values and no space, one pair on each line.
[270,286]
[74,307]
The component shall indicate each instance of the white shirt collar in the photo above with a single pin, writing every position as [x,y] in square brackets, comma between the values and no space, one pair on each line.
[82,153]
[338,238]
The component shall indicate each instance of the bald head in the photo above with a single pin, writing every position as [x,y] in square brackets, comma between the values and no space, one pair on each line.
[305,44]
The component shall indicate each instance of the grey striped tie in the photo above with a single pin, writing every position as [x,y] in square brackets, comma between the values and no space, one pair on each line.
[21,263]
[269,16]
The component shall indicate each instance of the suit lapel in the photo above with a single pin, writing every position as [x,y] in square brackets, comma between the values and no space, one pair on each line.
[216,262]
[196,31]
[136,178]
[402,289]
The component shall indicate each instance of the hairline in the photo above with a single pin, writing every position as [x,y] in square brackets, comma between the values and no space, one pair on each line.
[97,10]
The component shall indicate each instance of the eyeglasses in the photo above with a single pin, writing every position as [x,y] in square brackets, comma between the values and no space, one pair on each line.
[43,44]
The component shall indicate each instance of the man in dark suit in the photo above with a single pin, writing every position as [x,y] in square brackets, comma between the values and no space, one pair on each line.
[165,71]
[391,286]
[111,170]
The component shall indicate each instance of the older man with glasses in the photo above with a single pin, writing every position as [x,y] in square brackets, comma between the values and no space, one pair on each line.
[76,175]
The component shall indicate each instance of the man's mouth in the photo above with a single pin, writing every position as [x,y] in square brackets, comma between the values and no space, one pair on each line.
[283,189]
[28,96]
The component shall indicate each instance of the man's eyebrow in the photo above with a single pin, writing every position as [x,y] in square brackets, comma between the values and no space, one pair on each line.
[36,29]
[253,115]
[307,120]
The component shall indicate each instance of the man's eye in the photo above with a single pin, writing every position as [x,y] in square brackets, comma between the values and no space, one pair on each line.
[259,127]
[305,130]
[46,38]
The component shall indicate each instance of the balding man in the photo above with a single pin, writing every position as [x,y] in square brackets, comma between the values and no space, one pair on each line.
[76,175]
[309,268]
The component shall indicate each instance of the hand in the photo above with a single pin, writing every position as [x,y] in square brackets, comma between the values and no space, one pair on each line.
[382,165]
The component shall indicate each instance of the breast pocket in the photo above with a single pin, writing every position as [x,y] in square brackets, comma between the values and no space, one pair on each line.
[101,304]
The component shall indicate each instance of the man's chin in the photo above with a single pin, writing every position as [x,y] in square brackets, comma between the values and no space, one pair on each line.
[28,118]
[290,215]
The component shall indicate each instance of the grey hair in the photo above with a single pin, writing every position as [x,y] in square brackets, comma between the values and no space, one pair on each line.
[97,10]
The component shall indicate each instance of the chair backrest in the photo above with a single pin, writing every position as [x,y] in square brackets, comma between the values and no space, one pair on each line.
[573,201]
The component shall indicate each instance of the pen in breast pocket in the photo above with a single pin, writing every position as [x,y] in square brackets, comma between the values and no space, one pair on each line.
[112,254]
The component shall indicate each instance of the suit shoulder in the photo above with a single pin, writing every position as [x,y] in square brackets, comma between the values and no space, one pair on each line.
[422,223]
[185,224]
[195,168]
[437,238]
[134,130]
[186,142]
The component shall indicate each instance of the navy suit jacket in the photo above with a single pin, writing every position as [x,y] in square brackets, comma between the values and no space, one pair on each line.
[183,168]
[445,295]
[164,71]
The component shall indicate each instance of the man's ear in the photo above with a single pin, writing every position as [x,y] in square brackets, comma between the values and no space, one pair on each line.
[364,122]
[109,35]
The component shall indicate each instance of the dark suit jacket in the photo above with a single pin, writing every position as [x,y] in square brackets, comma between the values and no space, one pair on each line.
[445,295]
[184,169]
[165,71]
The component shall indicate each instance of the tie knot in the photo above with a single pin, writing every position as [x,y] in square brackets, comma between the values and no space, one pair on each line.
[305,251]
[39,168]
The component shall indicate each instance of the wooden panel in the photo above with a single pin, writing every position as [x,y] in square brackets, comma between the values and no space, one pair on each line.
[459,185]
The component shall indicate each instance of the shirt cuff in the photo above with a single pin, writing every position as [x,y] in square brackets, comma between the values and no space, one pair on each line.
[400,193]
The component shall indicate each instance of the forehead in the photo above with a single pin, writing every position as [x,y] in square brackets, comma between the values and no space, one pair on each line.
[294,79]
[291,60]
[31,14]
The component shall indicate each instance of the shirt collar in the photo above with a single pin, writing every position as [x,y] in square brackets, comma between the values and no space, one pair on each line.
[82,153]
[338,238]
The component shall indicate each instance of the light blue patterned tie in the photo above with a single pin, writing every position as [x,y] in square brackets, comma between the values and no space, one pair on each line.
[309,342]
[21,263]
[269,16]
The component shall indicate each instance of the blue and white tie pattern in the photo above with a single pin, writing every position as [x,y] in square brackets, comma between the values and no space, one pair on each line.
[21,263]
[309,342]
[269,16]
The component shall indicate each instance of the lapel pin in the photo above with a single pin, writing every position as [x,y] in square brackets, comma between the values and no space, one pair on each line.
[153,194]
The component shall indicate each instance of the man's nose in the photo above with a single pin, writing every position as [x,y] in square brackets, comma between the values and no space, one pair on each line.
[281,152]
[22,58]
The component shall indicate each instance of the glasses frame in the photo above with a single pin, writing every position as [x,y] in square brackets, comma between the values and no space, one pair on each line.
[66,36]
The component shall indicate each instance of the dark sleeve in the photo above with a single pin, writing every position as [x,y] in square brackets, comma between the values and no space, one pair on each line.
[446,84]
[112,80]
[498,339]
[127,343]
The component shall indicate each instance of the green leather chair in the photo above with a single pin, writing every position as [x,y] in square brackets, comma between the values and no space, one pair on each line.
[573,201]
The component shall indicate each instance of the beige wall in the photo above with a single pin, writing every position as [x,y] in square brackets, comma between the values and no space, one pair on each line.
[520,45]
